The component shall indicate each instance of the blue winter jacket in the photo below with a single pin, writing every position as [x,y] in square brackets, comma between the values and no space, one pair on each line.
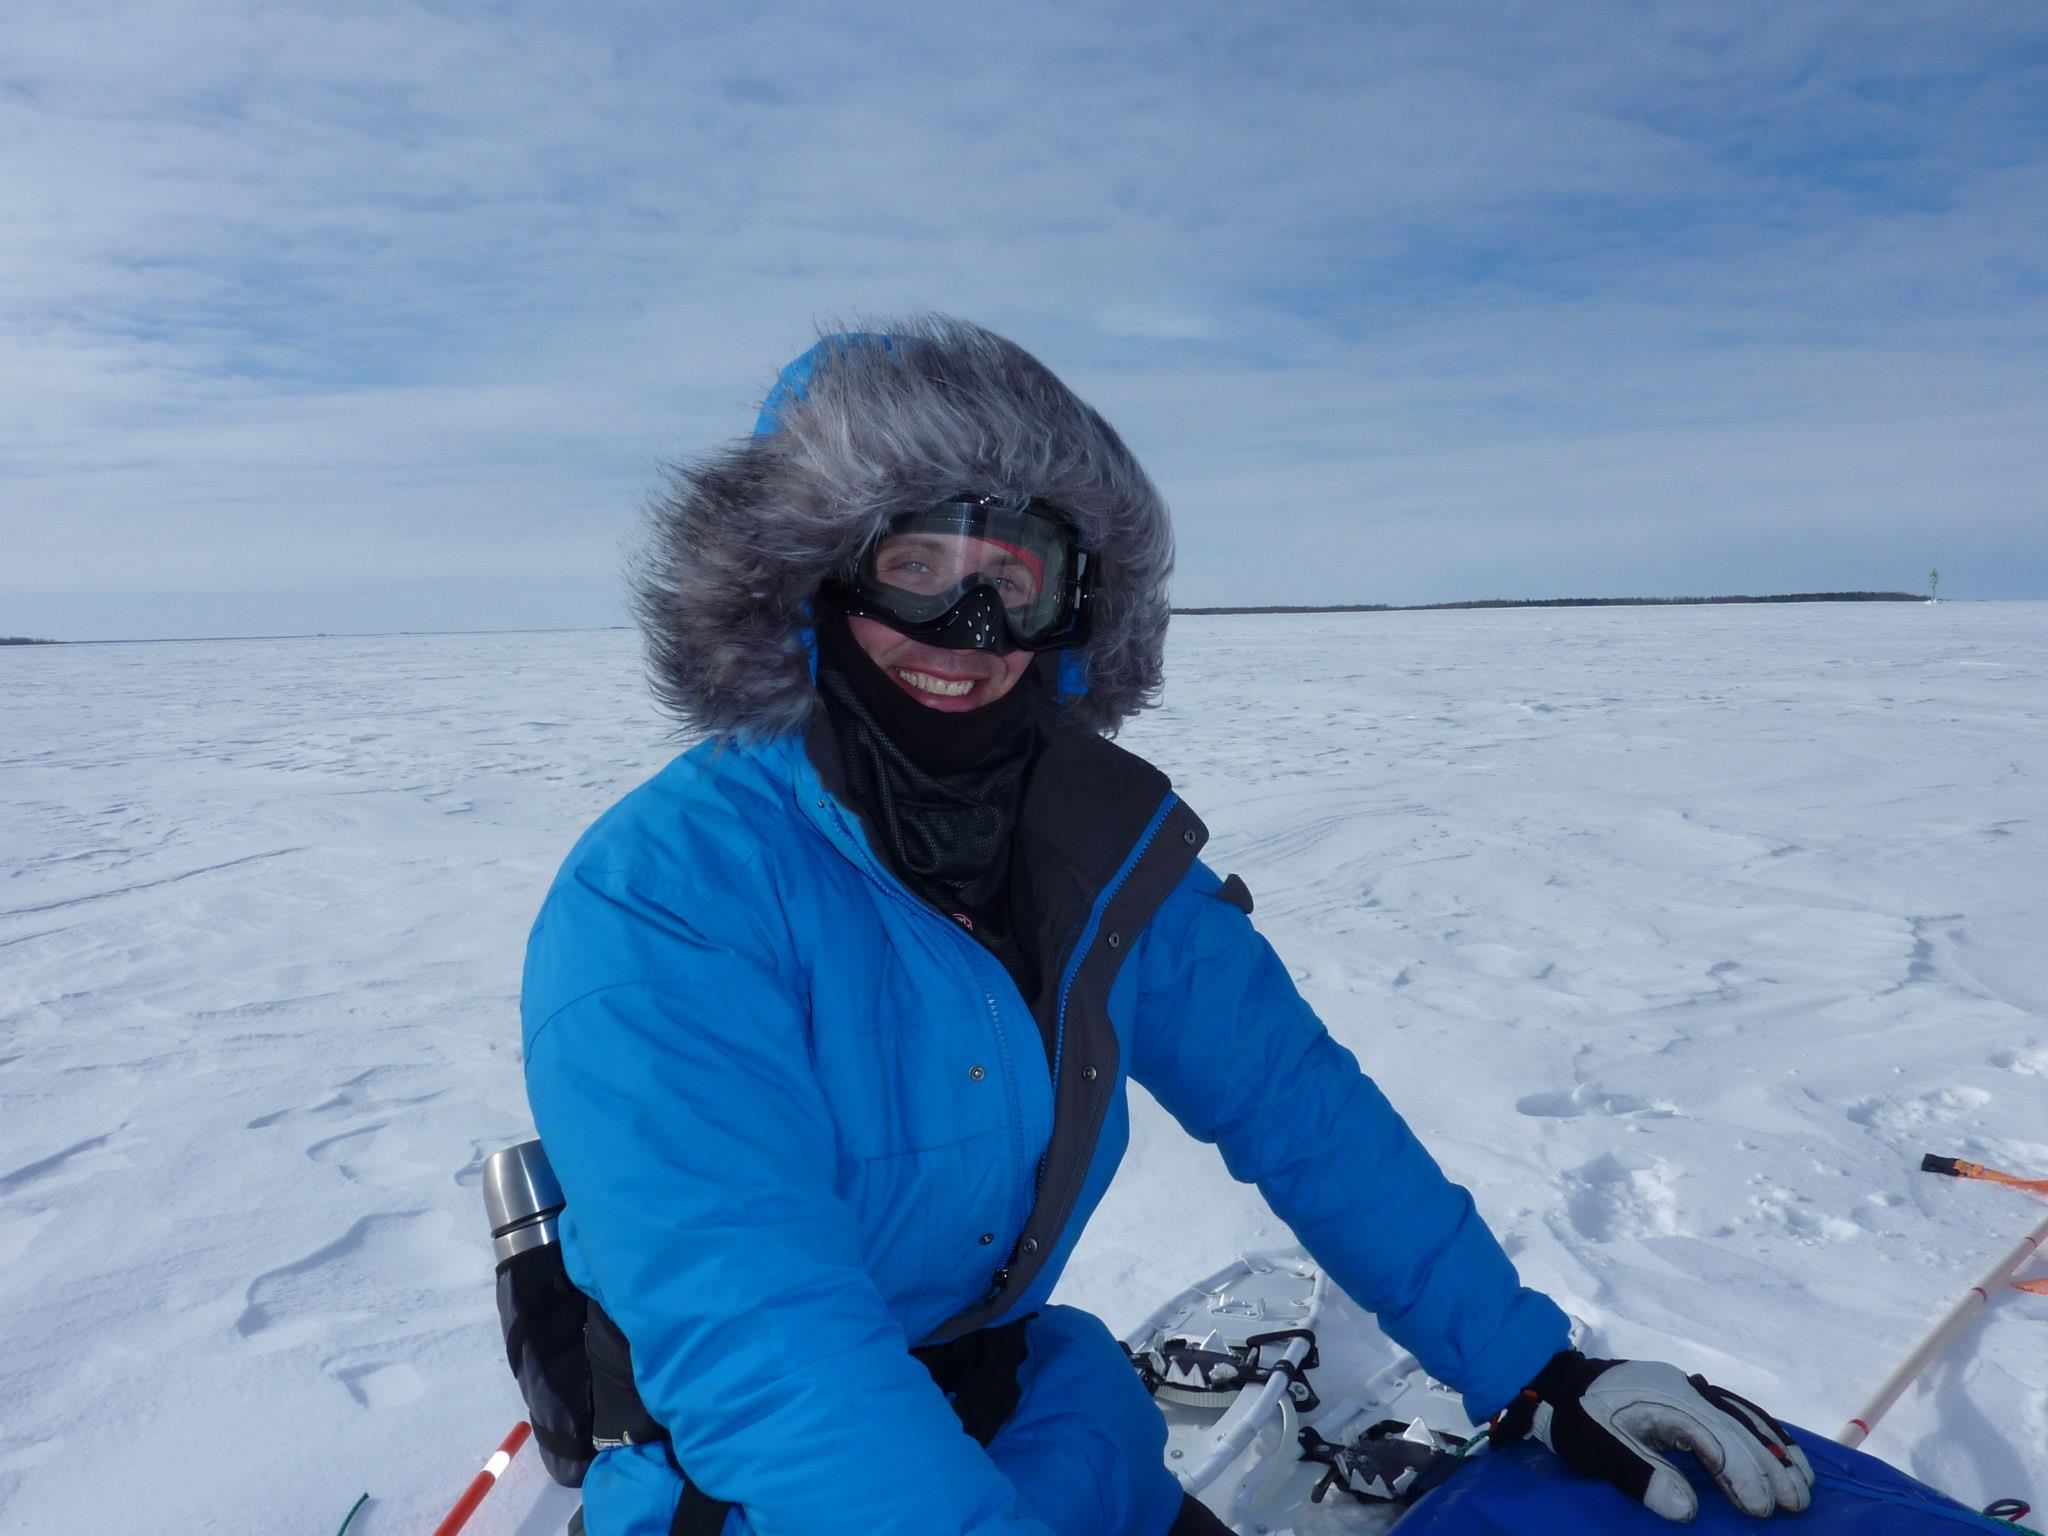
[805,1122]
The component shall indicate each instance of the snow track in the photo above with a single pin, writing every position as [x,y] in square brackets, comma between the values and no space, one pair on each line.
[1678,933]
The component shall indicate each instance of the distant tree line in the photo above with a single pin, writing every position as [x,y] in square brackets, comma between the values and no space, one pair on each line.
[1571,602]
[24,640]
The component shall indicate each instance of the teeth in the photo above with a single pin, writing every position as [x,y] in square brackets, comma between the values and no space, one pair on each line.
[924,682]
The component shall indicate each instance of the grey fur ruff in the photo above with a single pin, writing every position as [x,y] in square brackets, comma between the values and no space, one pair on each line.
[740,540]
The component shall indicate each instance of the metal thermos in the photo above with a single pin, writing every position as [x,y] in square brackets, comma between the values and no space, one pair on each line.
[523,1200]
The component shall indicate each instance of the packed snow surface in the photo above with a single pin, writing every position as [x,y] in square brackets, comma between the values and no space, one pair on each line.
[1678,933]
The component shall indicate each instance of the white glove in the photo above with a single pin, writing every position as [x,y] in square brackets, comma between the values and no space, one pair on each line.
[1610,1418]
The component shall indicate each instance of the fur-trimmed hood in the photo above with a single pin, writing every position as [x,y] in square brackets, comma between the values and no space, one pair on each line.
[862,427]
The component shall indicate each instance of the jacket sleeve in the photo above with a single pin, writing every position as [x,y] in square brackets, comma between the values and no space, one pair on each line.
[669,1074]
[1227,1044]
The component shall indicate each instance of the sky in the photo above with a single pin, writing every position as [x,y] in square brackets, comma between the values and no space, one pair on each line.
[380,316]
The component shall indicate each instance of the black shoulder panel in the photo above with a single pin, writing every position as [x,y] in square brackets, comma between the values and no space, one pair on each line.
[1237,893]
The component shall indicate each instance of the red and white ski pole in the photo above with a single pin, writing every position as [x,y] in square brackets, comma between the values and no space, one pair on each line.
[1972,1302]
[485,1480]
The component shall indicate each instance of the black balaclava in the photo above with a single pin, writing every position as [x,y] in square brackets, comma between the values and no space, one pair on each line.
[939,792]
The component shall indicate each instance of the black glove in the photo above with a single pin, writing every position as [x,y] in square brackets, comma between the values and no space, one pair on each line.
[1611,1417]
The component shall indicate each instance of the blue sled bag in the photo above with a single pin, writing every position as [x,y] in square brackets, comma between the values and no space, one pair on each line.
[1525,1489]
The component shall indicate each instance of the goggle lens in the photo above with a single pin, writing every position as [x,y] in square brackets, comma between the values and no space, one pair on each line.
[926,562]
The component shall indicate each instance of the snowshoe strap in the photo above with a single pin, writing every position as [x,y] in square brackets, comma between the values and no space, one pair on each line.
[1212,1374]
[1382,1465]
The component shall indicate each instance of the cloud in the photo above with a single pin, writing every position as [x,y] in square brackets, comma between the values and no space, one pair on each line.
[317,298]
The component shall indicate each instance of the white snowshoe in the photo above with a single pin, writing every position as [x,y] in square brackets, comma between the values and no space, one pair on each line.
[1228,1360]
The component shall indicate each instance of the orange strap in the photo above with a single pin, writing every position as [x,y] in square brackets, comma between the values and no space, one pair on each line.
[1993,1176]
[2037,1287]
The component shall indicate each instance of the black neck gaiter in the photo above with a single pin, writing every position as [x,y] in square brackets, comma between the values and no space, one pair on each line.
[940,792]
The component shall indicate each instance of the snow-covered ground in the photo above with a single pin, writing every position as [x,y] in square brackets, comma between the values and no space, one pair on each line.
[1679,934]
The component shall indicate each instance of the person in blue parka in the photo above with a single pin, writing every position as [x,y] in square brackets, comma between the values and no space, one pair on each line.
[828,1024]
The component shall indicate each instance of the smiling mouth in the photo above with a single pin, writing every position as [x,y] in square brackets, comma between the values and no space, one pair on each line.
[944,688]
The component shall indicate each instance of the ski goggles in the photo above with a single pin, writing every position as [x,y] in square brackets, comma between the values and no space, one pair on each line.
[973,576]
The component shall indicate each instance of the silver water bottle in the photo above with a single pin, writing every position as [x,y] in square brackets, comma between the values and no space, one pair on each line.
[540,1312]
[522,1199]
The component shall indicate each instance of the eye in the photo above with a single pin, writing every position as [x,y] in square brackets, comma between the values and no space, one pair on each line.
[1013,584]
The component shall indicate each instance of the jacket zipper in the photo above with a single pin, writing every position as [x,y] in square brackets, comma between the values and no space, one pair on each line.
[1018,1194]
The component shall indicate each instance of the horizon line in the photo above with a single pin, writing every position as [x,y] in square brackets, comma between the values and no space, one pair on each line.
[1191,611]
